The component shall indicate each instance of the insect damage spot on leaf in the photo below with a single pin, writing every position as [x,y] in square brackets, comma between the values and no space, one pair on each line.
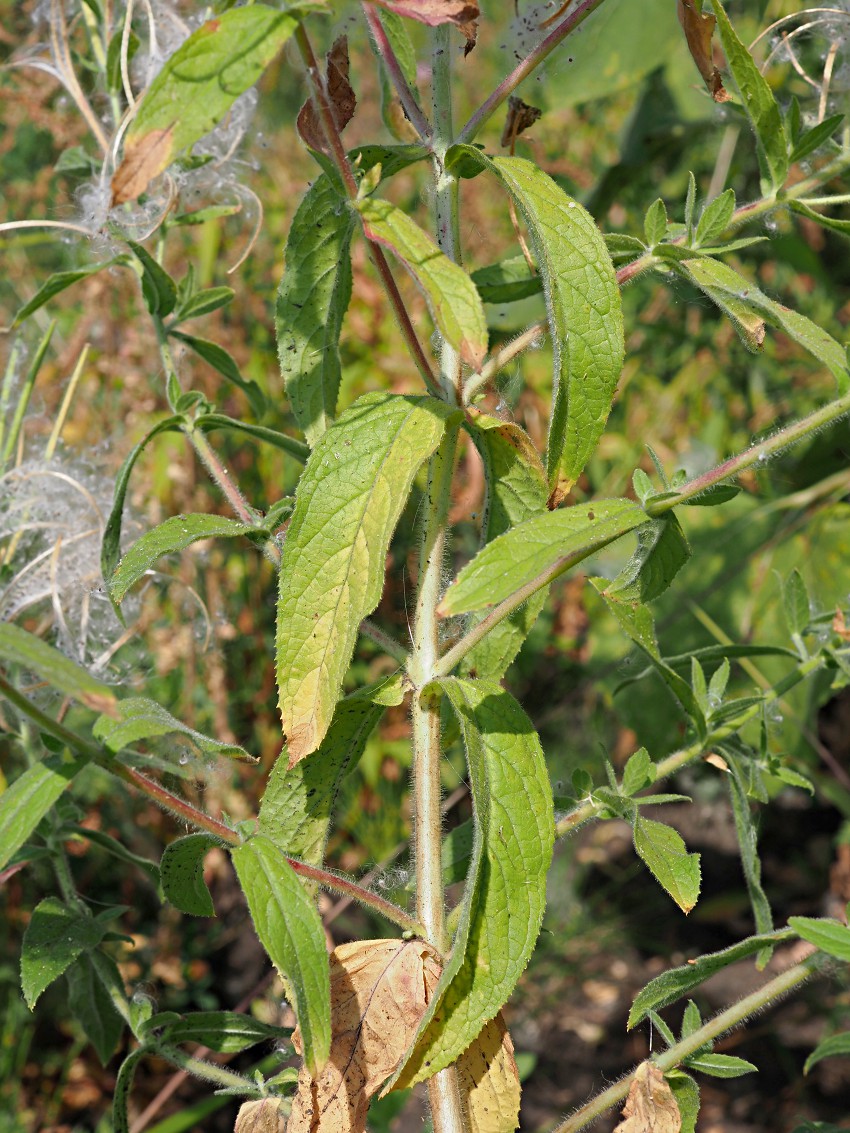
[340,95]
[144,158]
[699,28]
[650,1106]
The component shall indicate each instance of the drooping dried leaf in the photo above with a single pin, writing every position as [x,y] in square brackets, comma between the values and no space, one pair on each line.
[262,1116]
[520,117]
[469,30]
[379,992]
[435,12]
[144,158]
[650,1106]
[489,1081]
[698,28]
[340,95]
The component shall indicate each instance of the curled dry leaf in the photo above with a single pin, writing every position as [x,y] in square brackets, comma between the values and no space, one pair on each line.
[520,117]
[340,95]
[698,28]
[379,992]
[262,1116]
[144,157]
[489,1081]
[435,12]
[650,1106]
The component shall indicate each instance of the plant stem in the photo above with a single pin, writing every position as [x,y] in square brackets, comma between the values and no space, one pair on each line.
[725,1021]
[343,165]
[678,759]
[525,68]
[406,96]
[210,1071]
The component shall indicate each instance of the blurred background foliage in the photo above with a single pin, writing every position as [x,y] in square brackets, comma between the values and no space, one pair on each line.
[624,121]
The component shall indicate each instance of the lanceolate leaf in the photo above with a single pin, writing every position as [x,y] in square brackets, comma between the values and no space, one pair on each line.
[227,1032]
[831,937]
[139,718]
[92,1007]
[506,885]
[452,298]
[56,935]
[516,489]
[585,316]
[348,502]
[296,808]
[210,421]
[182,873]
[757,100]
[217,357]
[56,283]
[672,985]
[311,303]
[661,848]
[173,535]
[291,932]
[26,801]
[834,223]
[538,550]
[507,281]
[747,840]
[727,288]
[834,1045]
[196,88]
[17,647]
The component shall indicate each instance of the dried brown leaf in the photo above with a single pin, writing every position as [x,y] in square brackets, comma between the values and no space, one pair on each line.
[340,95]
[260,1117]
[469,29]
[144,158]
[435,12]
[489,1081]
[379,992]
[698,28]
[650,1106]
[520,117]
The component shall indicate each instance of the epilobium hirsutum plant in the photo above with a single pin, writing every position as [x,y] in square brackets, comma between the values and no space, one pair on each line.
[425,1003]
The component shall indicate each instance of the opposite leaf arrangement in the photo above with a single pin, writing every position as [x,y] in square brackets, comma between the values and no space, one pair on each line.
[383,1015]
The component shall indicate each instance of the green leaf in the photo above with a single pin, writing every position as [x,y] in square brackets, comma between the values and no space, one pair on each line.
[291,932]
[456,853]
[311,303]
[201,216]
[29,798]
[814,138]
[121,1092]
[672,985]
[120,851]
[202,303]
[661,553]
[758,102]
[533,553]
[622,246]
[516,489]
[686,1092]
[110,550]
[505,893]
[210,421]
[55,283]
[720,1065]
[196,88]
[182,873]
[828,1048]
[828,935]
[167,538]
[507,281]
[737,296]
[711,497]
[158,288]
[55,936]
[139,718]
[220,360]
[833,223]
[347,504]
[716,217]
[452,298]
[585,316]
[295,811]
[655,222]
[690,204]
[638,773]
[661,848]
[795,600]
[18,647]
[91,1006]
[392,113]
[227,1032]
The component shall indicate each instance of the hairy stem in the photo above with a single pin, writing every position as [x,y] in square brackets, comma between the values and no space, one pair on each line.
[210,1071]
[732,1017]
[343,165]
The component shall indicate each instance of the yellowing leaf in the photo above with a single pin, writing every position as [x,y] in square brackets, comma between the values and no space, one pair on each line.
[650,1106]
[489,1081]
[379,992]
